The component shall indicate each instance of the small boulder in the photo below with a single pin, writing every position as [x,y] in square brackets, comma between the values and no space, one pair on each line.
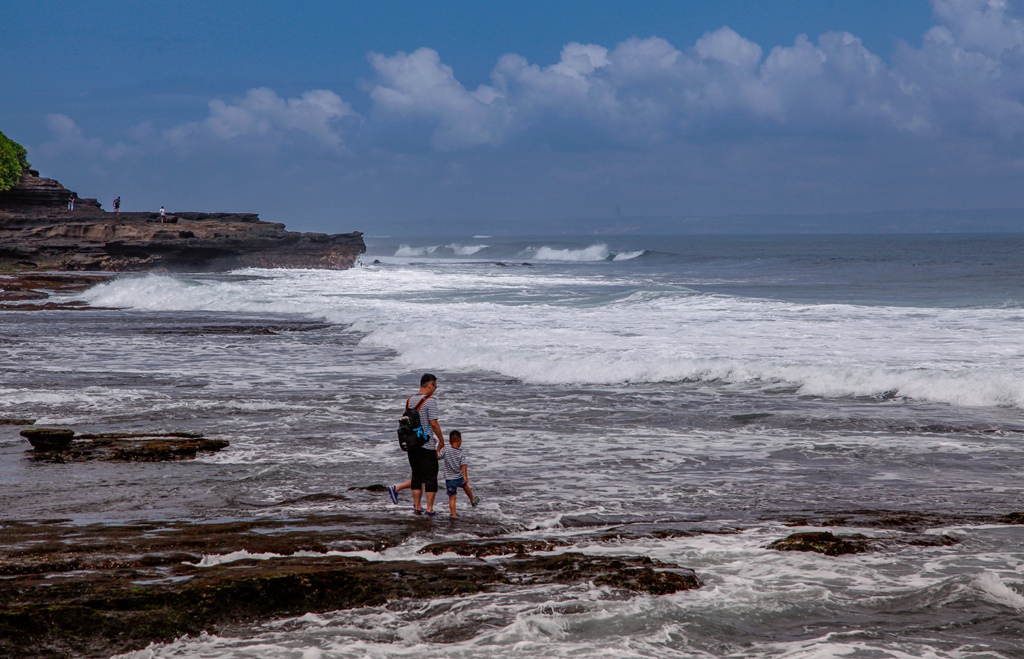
[49,439]
[823,542]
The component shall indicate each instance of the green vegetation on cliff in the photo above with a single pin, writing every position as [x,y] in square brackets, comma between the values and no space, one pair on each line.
[12,162]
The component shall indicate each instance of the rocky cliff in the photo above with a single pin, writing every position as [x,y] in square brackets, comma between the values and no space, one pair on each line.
[38,231]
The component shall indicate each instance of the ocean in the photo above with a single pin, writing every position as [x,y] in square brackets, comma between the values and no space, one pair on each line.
[706,394]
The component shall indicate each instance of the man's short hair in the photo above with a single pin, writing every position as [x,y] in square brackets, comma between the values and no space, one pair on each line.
[427,379]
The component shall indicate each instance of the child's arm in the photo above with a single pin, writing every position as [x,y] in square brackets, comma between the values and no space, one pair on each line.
[465,474]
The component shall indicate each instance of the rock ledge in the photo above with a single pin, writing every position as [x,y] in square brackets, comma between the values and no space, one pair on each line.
[39,232]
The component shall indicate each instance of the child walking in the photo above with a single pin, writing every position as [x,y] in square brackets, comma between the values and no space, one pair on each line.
[456,470]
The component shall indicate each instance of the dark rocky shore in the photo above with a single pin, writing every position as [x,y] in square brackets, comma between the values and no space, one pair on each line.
[95,590]
[38,232]
[92,591]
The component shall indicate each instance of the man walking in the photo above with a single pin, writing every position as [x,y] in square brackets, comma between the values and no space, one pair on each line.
[423,460]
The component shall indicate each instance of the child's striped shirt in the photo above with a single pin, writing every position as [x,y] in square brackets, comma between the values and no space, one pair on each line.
[453,458]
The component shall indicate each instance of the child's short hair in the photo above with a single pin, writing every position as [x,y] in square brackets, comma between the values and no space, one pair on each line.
[455,434]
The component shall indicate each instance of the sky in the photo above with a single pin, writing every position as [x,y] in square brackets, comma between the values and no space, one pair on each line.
[575,115]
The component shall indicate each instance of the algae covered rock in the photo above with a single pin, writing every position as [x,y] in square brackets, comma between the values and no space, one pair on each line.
[823,542]
[49,439]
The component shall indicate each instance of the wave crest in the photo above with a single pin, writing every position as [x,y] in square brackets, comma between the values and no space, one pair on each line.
[406,250]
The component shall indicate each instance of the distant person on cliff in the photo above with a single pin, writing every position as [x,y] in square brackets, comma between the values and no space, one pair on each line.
[163,215]
[117,205]
[71,203]
[423,460]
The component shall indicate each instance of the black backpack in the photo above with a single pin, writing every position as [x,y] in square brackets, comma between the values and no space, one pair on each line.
[410,428]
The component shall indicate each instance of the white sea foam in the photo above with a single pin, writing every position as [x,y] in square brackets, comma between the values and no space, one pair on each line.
[593,253]
[752,597]
[212,560]
[542,329]
[406,250]
[992,588]
[466,250]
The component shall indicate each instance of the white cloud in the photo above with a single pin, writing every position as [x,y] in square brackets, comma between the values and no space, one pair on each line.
[981,25]
[727,46]
[967,76]
[68,137]
[418,86]
[264,120]
[965,81]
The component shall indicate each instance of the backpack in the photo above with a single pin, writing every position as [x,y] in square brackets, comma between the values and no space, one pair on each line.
[410,428]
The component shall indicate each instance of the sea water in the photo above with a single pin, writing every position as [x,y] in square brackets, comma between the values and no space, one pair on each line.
[725,385]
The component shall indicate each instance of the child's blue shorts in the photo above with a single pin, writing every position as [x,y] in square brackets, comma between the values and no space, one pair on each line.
[452,486]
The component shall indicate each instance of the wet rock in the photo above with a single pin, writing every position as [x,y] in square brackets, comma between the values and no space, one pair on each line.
[241,329]
[376,487]
[823,542]
[49,439]
[644,579]
[118,447]
[903,520]
[482,548]
[943,540]
[18,296]
[18,289]
[637,574]
[17,422]
[125,586]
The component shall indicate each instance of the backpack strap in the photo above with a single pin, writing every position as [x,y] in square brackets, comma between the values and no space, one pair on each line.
[419,404]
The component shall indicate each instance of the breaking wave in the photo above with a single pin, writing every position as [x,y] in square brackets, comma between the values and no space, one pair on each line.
[552,333]
[598,252]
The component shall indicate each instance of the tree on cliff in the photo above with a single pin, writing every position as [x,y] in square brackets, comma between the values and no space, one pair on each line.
[12,162]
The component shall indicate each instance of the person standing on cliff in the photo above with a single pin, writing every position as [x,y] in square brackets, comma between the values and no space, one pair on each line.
[117,205]
[423,460]
[71,202]
[163,215]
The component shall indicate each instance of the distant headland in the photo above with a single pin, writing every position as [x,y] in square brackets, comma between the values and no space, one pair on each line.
[40,231]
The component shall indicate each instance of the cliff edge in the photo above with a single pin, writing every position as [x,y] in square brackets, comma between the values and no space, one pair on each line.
[39,232]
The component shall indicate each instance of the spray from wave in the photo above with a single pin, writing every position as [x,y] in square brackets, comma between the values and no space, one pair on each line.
[598,252]
[466,250]
[434,250]
[406,250]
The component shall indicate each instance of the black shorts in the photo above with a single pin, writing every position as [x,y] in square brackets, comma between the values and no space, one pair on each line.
[424,469]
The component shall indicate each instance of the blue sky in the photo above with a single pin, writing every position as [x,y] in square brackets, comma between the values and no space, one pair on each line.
[485,116]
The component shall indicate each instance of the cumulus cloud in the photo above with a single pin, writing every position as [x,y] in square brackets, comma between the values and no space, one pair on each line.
[263,118]
[67,137]
[417,86]
[966,80]
[261,121]
[968,75]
